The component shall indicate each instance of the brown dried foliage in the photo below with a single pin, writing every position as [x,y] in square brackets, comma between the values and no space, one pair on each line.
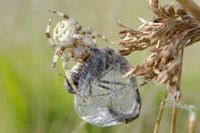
[166,37]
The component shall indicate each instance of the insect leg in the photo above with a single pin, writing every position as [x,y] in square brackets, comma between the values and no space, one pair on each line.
[111,82]
[104,87]
[123,117]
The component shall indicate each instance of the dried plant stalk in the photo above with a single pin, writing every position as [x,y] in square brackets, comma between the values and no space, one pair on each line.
[160,114]
[191,6]
[174,116]
[166,37]
[192,118]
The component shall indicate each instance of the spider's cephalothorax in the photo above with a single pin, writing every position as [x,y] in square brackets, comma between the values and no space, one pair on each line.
[70,40]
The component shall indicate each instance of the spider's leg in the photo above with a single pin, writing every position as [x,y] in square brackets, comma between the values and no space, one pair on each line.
[47,33]
[71,82]
[55,57]
[68,87]
[60,14]
[88,30]
[68,75]
[95,34]
[83,39]
[78,26]
[78,36]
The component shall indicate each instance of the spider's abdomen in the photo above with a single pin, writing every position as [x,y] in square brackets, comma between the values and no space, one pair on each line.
[63,33]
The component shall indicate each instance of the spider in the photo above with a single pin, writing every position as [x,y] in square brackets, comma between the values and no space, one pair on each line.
[103,97]
[71,41]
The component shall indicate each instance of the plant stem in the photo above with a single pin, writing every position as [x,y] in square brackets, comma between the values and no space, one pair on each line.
[191,6]
[191,122]
[174,115]
[160,114]
[177,93]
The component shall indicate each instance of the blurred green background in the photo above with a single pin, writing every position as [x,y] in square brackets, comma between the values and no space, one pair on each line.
[32,97]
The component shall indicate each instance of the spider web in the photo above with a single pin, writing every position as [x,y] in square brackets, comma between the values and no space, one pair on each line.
[110,99]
